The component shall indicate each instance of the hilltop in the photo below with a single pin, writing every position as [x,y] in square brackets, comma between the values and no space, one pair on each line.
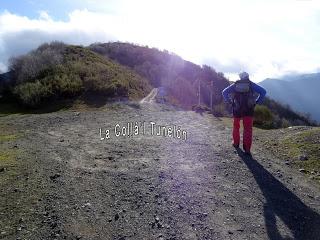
[181,78]
[57,71]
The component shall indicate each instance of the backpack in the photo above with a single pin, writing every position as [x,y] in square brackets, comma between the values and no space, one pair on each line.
[243,97]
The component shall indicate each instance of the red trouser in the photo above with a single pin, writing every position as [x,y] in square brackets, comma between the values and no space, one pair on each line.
[247,132]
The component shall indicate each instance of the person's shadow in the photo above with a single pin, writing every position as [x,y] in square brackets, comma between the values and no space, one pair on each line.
[303,222]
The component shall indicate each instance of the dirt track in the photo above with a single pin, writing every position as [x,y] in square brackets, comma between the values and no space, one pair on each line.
[151,96]
[155,187]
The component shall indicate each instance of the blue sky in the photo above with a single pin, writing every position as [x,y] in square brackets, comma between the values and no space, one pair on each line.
[266,38]
[58,9]
[30,8]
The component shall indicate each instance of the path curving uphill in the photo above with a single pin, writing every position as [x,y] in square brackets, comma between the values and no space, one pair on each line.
[151,96]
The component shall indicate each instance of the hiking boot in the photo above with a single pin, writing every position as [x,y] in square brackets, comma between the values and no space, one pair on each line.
[247,152]
[235,145]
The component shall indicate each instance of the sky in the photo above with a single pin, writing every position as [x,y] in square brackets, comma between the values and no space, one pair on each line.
[265,38]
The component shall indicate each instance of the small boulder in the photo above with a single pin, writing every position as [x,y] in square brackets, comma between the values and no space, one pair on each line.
[302,170]
[303,157]
[87,205]
[55,176]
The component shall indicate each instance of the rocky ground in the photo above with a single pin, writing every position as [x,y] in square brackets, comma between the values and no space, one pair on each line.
[59,180]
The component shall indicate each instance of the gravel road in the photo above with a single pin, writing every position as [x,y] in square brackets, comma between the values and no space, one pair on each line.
[96,183]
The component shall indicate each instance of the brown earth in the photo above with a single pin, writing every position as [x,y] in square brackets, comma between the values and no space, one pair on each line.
[64,182]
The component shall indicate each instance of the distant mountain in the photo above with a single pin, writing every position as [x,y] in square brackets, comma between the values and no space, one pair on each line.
[300,91]
[301,77]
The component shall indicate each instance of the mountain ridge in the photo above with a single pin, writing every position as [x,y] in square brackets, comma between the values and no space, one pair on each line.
[299,91]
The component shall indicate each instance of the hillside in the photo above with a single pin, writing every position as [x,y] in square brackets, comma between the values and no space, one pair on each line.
[181,79]
[299,91]
[57,71]
[104,71]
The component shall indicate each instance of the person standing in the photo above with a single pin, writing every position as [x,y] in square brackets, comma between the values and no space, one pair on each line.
[243,95]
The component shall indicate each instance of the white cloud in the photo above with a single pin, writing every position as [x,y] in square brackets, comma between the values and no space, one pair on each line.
[19,34]
[2,67]
[267,39]
[44,16]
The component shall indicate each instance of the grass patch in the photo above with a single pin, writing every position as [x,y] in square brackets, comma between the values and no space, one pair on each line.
[300,144]
[227,121]
[6,134]
[290,144]
[7,158]
[4,138]
[20,189]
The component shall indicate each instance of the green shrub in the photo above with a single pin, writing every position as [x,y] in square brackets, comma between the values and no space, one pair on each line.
[263,117]
[32,93]
[57,71]
[285,123]
[200,108]
[285,112]
[66,85]
[219,110]
[29,66]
